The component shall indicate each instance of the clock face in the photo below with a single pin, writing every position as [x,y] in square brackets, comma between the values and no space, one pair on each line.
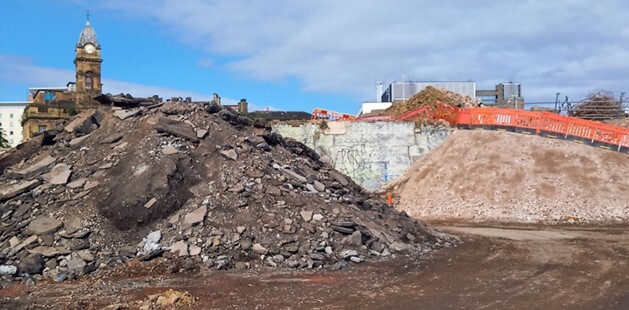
[89,48]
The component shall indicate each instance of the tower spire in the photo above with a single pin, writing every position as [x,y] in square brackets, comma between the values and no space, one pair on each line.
[88,15]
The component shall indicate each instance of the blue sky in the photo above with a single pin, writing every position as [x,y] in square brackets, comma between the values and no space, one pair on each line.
[297,55]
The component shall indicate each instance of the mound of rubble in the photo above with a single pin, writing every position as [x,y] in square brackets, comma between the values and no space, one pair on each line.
[192,183]
[430,96]
[488,176]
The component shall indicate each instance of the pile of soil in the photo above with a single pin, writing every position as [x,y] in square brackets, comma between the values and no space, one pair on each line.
[194,184]
[430,97]
[622,122]
[486,176]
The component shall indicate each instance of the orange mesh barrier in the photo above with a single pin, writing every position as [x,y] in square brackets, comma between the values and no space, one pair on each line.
[541,123]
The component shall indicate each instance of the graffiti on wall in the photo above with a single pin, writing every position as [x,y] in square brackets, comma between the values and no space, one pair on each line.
[358,165]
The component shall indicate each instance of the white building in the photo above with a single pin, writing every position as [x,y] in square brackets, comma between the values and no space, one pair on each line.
[11,121]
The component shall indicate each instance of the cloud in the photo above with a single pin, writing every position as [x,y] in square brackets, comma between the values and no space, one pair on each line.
[344,46]
[18,69]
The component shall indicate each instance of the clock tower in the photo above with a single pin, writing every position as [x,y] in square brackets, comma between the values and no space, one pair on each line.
[87,61]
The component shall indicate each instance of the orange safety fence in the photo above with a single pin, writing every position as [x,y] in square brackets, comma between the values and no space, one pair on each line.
[545,124]
[331,115]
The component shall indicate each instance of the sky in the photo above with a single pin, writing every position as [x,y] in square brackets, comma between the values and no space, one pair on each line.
[298,55]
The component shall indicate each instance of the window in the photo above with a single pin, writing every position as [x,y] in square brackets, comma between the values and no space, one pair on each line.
[88,81]
[42,110]
[10,124]
[11,133]
[11,115]
[42,128]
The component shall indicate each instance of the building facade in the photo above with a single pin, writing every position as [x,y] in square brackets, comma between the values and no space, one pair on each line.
[11,121]
[50,105]
[505,95]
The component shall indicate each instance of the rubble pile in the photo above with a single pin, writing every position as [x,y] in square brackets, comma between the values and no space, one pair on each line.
[490,176]
[430,96]
[193,184]
[599,105]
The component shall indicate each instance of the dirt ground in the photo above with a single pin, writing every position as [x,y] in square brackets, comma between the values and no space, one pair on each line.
[521,267]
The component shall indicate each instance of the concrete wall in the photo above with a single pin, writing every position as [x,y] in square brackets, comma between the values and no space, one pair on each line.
[370,153]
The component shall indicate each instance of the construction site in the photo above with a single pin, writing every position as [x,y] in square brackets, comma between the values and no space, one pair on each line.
[434,203]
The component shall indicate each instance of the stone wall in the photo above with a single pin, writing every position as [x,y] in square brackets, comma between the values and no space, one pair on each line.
[370,153]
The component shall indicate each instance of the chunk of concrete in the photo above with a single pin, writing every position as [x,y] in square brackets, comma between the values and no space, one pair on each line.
[169,150]
[231,154]
[180,247]
[43,225]
[196,216]
[37,168]
[79,140]
[78,183]
[201,133]
[60,174]
[176,128]
[8,192]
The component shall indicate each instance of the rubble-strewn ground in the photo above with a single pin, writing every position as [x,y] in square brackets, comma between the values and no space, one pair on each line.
[490,176]
[195,183]
[505,268]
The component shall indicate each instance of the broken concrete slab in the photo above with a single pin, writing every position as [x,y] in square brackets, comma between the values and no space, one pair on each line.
[78,183]
[36,169]
[43,225]
[45,251]
[180,247]
[194,250]
[121,146]
[294,175]
[176,128]
[201,133]
[60,174]
[22,245]
[196,216]
[83,122]
[90,185]
[76,141]
[124,114]
[112,139]
[106,166]
[306,215]
[319,186]
[169,150]
[8,192]
[231,154]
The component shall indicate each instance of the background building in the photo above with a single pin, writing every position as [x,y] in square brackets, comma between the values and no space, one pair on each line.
[398,91]
[11,121]
[505,95]
[51,105]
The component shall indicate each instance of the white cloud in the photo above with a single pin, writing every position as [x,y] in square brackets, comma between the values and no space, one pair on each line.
[344,46]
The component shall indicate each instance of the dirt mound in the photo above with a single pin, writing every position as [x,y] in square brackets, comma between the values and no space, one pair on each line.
[195,183]
[500,176]
[430,96]
[622,122]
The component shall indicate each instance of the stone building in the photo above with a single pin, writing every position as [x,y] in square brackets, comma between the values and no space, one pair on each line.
[51,105]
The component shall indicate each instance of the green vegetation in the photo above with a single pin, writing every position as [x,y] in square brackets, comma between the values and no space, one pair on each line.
[4,143]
